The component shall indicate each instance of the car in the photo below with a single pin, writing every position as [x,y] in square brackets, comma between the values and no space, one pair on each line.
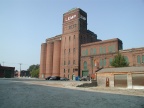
[85,78]
[54,78]
[47,78]
[64,79]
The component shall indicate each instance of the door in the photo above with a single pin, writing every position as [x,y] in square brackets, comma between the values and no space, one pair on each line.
[73,77]
[120,80]
[85,73]
[138,79]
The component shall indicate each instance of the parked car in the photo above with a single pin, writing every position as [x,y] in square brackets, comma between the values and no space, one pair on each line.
[47,78]
[85,78]
[64,79]
[55,78]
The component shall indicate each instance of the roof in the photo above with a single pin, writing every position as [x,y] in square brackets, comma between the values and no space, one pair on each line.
[123,69]
[7,68]
[101,42]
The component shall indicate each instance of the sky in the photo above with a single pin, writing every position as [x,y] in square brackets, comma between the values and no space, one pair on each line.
[26,24]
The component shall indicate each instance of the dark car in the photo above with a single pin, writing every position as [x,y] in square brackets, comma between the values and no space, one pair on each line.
[47,78]
[64,79]
[55,78]
[85,78]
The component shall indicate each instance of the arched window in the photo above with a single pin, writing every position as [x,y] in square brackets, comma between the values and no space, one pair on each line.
[85,65]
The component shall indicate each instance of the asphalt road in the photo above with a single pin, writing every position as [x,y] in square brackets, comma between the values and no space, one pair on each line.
[17,94]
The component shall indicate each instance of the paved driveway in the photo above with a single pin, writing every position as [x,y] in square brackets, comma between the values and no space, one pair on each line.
[17,94]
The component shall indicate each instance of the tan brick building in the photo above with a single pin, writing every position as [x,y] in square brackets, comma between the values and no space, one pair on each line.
[74,52]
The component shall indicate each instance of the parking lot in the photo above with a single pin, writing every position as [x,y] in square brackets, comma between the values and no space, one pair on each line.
[73,85]
[35,93]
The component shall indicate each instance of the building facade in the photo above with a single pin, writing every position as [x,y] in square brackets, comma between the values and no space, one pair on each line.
[78,52]
[6,72]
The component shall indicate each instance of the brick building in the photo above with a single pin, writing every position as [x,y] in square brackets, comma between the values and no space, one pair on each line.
[6,72]
[78,52]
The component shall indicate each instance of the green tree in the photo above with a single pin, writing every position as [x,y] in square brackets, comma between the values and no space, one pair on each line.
[34,70]
[119,61]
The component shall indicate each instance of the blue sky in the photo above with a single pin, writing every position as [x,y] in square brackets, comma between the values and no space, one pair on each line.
[25,24]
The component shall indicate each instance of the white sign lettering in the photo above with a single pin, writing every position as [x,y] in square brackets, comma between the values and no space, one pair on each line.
[82,17]
[70,17]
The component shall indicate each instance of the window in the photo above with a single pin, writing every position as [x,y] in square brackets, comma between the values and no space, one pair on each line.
[69,38]
[142,58]
[102,62]
[104,50]
[83,52]
[110,60]
[68,75]
[86,51]
[138,59]
[74,62]
[94,51]
[85,65]
[112,48]
[91,51]
[68,70]
[74,50]
[126,58]
[64,70]
[69,62]
[100,50]
[64,63]
[64,51]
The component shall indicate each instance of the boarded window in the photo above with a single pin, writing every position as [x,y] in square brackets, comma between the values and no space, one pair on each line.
[94,51]
[104,62]
[112,48]
[91,51]
[104,50]
[138,59]
[110,60]
[142,58]
[86,51]
[85,65]
[126,58]
[100,50]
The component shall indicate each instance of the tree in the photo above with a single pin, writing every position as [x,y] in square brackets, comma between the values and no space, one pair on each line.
[34,70]
[119,61]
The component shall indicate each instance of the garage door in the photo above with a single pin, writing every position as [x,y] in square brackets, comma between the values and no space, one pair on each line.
[138,79]
[120,80]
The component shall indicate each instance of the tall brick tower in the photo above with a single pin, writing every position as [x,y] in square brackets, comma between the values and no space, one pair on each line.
[74,29]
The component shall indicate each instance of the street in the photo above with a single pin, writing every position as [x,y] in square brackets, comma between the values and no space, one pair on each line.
[17,94]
